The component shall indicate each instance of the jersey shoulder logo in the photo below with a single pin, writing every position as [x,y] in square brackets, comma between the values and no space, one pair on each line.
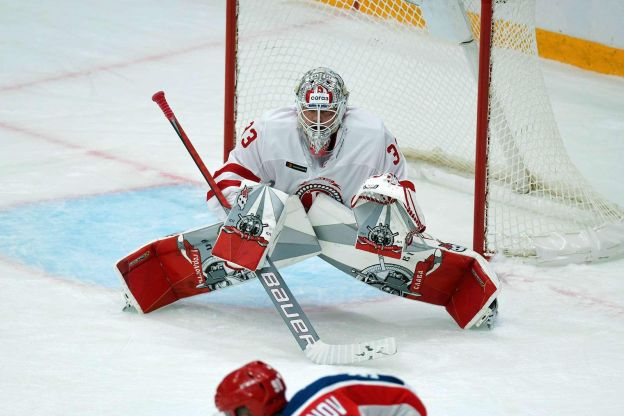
[242,198]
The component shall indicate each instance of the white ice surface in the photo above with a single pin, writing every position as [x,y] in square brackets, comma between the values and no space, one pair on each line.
[77,125]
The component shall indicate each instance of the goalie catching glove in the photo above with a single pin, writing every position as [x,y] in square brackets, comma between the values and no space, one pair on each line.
[387,215]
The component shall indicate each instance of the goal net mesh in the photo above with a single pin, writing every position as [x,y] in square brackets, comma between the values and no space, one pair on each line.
[424,88]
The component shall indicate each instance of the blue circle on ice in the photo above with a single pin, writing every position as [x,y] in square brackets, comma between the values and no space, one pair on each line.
[83,238]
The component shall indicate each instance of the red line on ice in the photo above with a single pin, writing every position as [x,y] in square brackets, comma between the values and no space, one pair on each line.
[108,67]
[152,58]
[96,153]
[590,300]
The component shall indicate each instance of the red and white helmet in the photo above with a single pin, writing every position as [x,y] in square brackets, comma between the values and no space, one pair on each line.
[255,386]
[321,105]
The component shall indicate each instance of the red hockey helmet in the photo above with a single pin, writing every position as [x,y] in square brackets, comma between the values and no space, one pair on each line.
[256,386]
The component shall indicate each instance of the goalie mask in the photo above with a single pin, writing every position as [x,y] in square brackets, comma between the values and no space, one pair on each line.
[321,104]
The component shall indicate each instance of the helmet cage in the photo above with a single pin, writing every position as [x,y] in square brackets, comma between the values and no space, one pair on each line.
[321,104]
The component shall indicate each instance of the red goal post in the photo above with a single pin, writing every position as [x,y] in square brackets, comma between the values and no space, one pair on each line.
[459,84]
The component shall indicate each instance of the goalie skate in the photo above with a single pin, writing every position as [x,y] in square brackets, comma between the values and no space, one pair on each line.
[489,317]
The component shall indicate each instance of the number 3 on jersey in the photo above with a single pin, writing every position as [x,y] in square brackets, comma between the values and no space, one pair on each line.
[392,149]
[249,135]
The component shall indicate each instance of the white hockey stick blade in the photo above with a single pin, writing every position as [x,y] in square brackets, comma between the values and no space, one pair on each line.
[328,354]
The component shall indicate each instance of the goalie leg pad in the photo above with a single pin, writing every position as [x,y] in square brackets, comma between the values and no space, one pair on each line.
[157,275]
[476,290]
[176,267]
[184,265]
[429,270]
[460,280]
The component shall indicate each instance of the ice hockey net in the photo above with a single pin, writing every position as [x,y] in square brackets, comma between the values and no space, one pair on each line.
[414,63]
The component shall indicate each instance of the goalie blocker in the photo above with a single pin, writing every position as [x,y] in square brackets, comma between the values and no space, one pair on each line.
[252,226]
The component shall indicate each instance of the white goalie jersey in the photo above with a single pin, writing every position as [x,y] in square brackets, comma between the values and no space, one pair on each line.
[272,151]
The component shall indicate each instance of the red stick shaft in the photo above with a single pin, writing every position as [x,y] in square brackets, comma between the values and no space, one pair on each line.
[159,98]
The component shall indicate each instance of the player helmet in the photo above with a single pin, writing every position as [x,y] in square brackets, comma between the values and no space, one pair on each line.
[321,104]
[255,386]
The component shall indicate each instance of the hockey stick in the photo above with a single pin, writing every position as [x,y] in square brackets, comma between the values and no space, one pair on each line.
[281,296]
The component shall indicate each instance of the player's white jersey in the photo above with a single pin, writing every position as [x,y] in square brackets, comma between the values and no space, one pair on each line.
[272,150]
[356,395]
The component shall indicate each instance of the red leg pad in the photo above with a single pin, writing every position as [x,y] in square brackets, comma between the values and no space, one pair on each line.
[437,277]
[158,274]
[459,280]
[474,293]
